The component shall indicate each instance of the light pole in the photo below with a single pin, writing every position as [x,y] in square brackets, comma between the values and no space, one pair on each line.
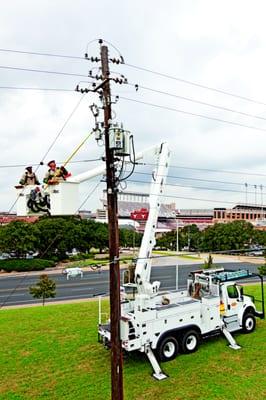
[177,244]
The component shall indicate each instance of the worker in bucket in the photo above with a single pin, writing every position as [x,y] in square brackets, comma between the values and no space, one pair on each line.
[29,177]
[55,174]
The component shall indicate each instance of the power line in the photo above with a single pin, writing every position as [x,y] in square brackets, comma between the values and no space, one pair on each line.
[195,179]
[42,71]
[200,102]
[44,252]
[41,54]
[195,187]
[63,127]
[227,93]
[191,198]
[37,164]
[192,114]
[196,84]
[209,170]
[52,144]
[32,88]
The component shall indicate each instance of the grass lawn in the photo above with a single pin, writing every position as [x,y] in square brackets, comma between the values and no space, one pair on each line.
[92,261]
[173,253]
[52,353]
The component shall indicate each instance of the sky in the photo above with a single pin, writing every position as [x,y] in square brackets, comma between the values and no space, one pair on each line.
[214,44]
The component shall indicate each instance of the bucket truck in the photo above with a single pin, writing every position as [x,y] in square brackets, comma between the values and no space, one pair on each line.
[163,323]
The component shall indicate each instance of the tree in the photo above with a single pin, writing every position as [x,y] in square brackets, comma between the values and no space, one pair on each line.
[44,289]
[231,236]
[100,239]
[129,237]
[18,237]
[58,235]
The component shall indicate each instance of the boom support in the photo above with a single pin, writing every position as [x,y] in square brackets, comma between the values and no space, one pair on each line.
[143,267]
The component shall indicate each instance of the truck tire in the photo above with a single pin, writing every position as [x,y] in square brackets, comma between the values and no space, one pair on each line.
[168,348]
[248,323]
[189,342]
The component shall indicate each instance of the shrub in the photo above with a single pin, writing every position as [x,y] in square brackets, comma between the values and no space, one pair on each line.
[262,270]
[80,256]
[21,265]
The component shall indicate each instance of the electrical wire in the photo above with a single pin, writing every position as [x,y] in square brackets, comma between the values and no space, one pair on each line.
[44,252]
[39,89]
[196,84]
[197,179]
[200,102]
[63,127]
[192,198]
[132,162]
[41,54]
[42,71]
[227,93]
[193,114]
[209,170]
[52,144]
[89,194]
[195,187]
[59,162]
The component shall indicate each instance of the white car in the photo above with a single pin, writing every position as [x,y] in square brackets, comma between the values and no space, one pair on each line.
[73,272]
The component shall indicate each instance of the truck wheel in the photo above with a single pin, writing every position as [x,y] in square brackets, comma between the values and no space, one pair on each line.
[248,323]
[190,341]
[168,349]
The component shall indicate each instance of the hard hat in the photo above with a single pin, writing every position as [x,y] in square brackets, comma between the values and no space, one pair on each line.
[29,169]
[51,162]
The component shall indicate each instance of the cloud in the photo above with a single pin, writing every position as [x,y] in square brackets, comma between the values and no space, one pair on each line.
[219,45]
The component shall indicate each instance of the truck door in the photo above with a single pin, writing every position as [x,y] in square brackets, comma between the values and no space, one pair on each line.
[233,300]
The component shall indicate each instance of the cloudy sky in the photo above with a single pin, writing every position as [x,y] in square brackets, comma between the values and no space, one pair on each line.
[215,44]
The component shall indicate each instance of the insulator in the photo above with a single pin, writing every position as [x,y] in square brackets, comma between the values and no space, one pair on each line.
[77,88]
[90,73]
[125,80]
[86,55]
[122,60]
[137,87]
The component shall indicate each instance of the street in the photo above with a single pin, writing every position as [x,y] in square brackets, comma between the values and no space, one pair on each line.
[14,290]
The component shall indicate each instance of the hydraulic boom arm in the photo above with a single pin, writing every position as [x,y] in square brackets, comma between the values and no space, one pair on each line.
[143,267]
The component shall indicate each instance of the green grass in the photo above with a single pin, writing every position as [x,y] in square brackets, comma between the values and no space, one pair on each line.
[52,353]
[92,261]
[173,253]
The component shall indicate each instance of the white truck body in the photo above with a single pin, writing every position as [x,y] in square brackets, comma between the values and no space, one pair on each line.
[165,322]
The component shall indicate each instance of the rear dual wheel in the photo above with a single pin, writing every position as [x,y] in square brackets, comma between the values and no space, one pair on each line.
[168,348]
[189,341]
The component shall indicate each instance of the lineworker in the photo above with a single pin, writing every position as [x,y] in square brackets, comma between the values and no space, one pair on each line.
[55,174]
[29,177]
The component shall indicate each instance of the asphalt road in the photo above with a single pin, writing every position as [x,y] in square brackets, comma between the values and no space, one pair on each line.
[14,290]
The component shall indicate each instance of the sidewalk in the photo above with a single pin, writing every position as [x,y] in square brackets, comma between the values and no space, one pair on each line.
[158,260]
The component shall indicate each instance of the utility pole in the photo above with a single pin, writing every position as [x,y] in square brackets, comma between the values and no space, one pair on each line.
[116,348]
[177,239]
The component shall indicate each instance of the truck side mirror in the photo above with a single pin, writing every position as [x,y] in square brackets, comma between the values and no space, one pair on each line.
[241,289]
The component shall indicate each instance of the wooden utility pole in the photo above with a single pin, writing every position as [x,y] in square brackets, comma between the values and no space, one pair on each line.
[116,348]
